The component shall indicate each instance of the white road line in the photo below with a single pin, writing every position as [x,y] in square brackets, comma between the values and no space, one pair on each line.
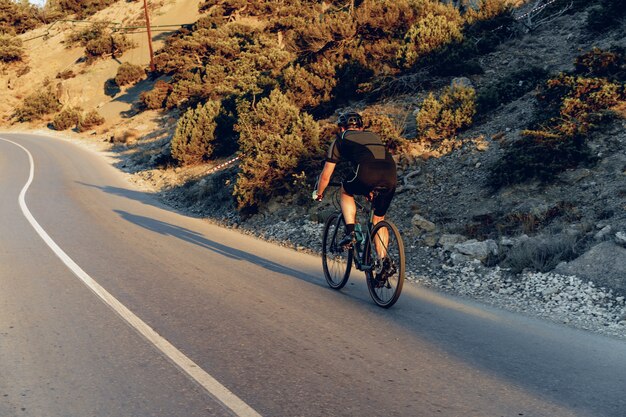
[210,384]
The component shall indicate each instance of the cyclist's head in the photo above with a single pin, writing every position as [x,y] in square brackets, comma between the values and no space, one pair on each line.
[350,120]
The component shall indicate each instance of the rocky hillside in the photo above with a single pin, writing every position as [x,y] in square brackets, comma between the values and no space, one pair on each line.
[516,204]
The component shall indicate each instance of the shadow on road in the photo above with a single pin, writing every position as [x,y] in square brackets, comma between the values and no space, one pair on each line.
[196,238]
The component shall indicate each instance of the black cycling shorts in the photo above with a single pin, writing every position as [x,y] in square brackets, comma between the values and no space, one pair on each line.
[373,176]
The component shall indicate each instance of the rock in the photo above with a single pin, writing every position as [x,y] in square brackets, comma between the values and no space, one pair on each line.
[430,240]
[422,225]
[447,241]
[603,233]
[477,250]
[604,264]
[507,241]
[461,82]
[620,239]
[457,258]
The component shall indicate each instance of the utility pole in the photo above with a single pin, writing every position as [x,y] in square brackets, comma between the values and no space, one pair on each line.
[145,8]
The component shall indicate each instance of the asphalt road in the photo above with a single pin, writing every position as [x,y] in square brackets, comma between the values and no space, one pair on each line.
[183,318]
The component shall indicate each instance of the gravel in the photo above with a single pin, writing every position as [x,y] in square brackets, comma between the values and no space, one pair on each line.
[564,299]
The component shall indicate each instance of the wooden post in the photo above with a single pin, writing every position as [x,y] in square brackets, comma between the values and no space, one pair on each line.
[145,8]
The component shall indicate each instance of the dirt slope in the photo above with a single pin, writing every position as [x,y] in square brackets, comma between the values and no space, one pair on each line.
[48,56]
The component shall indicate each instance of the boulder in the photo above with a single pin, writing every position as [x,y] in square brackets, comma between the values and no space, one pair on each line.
[603,233]
[458,259]
[430,239]
[461,82]
[604,264]
[422,225]
[447,242]
[477,250]
[620,239]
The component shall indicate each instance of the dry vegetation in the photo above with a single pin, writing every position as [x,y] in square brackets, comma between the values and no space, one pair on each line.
[312,57]
[263,77]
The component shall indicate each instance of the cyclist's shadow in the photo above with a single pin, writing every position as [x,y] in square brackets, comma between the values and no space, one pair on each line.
[196,238]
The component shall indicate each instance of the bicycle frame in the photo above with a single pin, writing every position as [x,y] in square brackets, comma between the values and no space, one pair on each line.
[358,250]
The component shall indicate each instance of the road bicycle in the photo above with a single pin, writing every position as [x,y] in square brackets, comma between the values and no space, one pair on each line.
[378,251]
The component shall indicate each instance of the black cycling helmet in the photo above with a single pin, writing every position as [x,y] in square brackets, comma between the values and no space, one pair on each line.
[350,120]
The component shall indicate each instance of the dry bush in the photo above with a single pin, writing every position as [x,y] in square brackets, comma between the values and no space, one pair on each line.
[37,105]
[128,73]
[442,118]
[542,253]
[65,74]
[275,140]
[11,49]
[195,133]
[569,108]
[609,64]
[68,118]
[91,119]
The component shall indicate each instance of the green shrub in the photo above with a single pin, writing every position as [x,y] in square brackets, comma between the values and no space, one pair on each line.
[568,109]
[90,120]
[155,98]
[82,8]
[434,30]
[607,14]
[388,127]
[509,89]
[443,118]
[115,45]
[275,140]
[19,17]
[308,89]
[128,73]
[87,34]
[37,105]
[195,133]
[11,49]
[68,118]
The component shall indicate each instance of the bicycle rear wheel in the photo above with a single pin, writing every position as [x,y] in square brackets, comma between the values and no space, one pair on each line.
[385,279]
[337,261]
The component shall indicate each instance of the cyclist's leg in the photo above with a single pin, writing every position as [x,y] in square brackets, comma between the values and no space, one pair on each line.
[348,207]
[382,237]
[381,204]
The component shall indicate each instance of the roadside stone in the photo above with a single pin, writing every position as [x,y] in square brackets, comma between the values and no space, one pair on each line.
[458,259]
[420,224]
[604,264]
[430,240]
[447,241]
[461,82]
[477,250]
[603,233]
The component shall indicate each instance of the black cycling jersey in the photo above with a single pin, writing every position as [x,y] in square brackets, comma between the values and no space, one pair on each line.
[373,164]
[358,147]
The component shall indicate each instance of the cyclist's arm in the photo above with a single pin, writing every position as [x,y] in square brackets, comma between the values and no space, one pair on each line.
[327,172]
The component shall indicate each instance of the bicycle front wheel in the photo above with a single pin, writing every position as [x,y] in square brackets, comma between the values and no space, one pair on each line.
[337,260]
[385,253]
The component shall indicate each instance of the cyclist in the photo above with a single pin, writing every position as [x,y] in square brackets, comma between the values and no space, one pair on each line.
[373,167]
